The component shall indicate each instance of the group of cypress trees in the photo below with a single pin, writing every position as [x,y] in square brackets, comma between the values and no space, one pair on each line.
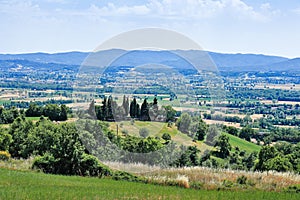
[111,111]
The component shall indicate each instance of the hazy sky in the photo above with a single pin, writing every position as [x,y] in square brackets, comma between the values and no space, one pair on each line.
[239,26]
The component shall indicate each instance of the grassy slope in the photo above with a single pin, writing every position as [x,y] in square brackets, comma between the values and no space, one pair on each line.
[243,144]
[158,128]
[30,185]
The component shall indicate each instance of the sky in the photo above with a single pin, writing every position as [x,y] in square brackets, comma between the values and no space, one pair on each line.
[270,27]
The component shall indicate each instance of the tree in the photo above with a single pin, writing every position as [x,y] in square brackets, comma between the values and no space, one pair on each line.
[201,130]
[145,111]
[125,105]
[279,163]
[183,123]
[34,110]
[63,113]
[166,137]
[170,113]
[134,110]
[110,109]
[224,145]
[266,153]
[5,140]
[91,110]
[212,134]
[144,132]
[232,130]
[246,133]
[104,109]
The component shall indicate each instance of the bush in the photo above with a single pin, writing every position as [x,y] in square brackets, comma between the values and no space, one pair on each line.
[242,180]
[46,163]
[293,188]
[166,136]
[144,132]
[90,166]
[4,155]
[124,132]
[227,183]
[5,141]
[121,175]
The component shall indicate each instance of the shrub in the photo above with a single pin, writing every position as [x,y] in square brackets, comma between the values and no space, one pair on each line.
[124,132]
[90,166]
[293,188]
[166,136]
[4,155]
[144,132]
[227,183]
[87,166]
[5,141]
[46,163]
[241,180]
[121,175]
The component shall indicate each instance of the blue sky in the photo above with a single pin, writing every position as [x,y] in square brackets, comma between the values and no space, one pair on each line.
[234,26]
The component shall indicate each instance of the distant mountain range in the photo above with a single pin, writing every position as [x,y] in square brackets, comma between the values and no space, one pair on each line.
[224,62]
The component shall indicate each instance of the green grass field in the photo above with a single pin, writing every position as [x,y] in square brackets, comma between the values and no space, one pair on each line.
[31,185]
[242,144]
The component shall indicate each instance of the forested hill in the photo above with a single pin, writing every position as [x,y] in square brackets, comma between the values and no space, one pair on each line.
[225,62]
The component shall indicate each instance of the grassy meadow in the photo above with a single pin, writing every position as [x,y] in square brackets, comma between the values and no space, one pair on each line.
[31,185]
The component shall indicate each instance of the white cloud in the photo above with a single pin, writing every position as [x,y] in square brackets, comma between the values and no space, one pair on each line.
[16,8]
[189,9]
[297,11]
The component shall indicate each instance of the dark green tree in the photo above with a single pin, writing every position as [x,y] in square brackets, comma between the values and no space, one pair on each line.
[224,146]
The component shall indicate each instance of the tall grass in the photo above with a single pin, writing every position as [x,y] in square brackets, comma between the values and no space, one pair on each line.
[210,178]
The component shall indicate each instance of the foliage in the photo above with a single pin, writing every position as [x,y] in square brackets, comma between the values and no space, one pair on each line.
[183,123]
[54,112]
[242,180]
[8,115]
[4,155]
[166,136]
[144,132]
[224,146]
[5,140]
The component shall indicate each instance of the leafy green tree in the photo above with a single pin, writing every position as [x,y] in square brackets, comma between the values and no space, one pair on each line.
[166,137]
[63,113]
[5,140]
[170,113]
[188,157]
[232,130]
[212,134]
[266,153]
[279,163]
[201,130]
[34,110]
[246,133]
[224,146]
[19,130]
[184,122]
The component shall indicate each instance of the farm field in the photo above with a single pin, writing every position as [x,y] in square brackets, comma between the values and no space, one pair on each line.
[31,185]
[242,144]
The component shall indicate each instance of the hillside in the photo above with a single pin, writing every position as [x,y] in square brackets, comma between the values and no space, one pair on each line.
[176,59]
[242,144]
